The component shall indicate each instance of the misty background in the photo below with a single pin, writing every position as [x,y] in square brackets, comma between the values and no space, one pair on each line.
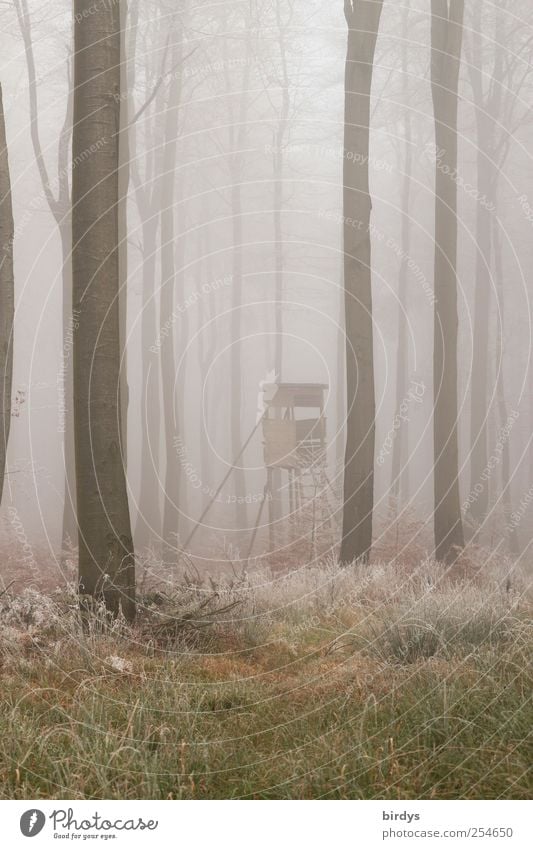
[256,91]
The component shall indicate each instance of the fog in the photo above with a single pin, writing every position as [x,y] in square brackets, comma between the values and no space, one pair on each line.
[235,223]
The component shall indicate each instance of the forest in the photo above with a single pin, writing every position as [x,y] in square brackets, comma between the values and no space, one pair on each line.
[266,454]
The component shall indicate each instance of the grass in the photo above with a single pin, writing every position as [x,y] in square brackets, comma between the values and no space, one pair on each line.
[367,683]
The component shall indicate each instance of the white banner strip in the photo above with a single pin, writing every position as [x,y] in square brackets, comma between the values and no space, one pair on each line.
[264,825]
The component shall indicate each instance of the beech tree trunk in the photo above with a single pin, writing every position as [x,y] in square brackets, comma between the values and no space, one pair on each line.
[363,17]
[127,77]
[503,415]
[207,348]
[278,174]
[340,396]
[237,136]
[482,295]
[171,415]
[7,296]
[236,345]
[106,560]
[278,163]
[148,198]
[446,42]
[148,523]
[494,101]
[400,448]
[69,531]
[482,298]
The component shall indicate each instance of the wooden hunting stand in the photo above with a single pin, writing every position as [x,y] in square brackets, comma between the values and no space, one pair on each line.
[294,440]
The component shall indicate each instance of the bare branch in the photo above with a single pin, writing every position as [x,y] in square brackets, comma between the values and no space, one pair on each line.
[24,20]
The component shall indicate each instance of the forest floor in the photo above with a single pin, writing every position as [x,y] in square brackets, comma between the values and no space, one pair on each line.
[378,682]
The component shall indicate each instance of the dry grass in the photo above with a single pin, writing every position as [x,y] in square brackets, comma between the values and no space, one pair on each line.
[388,681]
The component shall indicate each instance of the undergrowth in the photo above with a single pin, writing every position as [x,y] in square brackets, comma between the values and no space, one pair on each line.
[372,682]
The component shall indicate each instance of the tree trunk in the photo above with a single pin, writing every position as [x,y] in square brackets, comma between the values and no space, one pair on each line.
[148,527]
[512,531]
[69,527]
[479,402]
[446,42]
[127,81]
[106,560]
[7,296]
[148,524]
[400,447]
[171,416]
[237,139]
[278,170]
[180,485]
[363,17]
[236,346]
[207,347]
[278,192]
[340,396]
[487,100]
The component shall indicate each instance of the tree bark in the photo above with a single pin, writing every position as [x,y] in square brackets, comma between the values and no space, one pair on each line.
[480,340]
[278,173]
[172,416]
[106,559]
[148,524]
[495,108]
[446,43]
[363,17]
[237,135]
[127,81]
[512,531]
[400,447]
[340,394]
[236,345]
[278,191]
[207,347]
[7,296]
[479,402]
[69,525]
